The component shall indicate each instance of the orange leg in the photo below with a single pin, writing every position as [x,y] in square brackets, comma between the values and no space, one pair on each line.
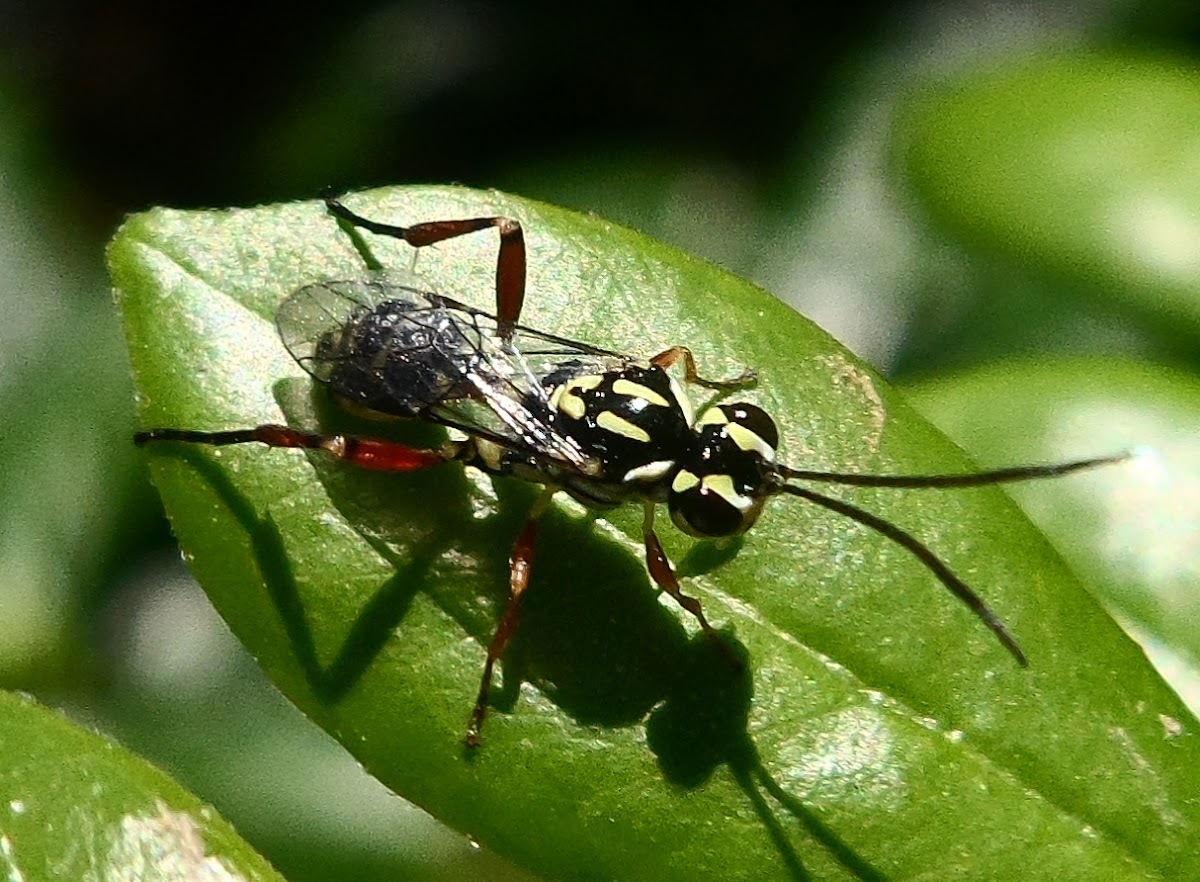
[510,263]
[671,356]
[520,563]
[366,453]
[663,573]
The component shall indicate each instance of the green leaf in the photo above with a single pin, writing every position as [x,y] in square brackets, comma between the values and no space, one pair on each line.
[875,729]
[1081,165]
[1134,541]
[81,807]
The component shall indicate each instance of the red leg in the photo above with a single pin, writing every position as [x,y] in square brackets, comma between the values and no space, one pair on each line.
[672,356]
[664,577]
[510,263]
[520,564]
[663,573]
[366,453]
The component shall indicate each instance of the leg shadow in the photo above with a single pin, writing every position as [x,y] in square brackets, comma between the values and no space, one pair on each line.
[703,724]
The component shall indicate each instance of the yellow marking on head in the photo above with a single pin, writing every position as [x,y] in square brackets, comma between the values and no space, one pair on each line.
[722,485]
[684,481]
[610,422]
[714,416]
[637,390]
[750,441]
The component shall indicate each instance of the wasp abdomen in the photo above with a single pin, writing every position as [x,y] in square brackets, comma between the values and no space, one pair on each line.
[396,356]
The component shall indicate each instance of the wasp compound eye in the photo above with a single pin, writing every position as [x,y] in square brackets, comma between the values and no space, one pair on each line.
[712,505]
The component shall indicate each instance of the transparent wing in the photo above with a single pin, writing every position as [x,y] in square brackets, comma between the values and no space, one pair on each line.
[381,346]
[401,351]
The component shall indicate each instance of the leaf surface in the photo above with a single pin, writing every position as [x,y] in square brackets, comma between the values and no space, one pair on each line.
[875,729]
[1130,532]
[78,806]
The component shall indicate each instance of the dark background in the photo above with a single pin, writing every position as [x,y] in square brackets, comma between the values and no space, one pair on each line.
[181,105]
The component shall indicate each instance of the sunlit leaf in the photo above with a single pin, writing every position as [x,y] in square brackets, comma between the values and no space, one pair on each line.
[77,806]
[875,729]
[1131,532]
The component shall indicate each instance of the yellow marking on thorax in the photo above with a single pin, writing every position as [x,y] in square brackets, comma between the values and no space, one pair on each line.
[637,390]
[651,471]
[681,396]
[610,422]
[565,400]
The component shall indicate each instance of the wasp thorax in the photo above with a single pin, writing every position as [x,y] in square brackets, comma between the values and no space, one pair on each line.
[720,490]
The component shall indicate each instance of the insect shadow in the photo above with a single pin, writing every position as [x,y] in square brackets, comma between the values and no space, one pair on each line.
[594,637]
[703,724]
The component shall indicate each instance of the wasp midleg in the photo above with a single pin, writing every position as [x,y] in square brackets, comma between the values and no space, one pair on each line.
[520,563]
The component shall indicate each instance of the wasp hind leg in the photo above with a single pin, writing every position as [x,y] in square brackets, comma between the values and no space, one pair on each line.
[366,453]
[510,262]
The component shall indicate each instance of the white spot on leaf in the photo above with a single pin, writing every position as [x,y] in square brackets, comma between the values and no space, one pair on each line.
[167,846]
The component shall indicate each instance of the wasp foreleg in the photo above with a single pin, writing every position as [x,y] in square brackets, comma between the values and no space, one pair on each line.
[671,356]
[663,573]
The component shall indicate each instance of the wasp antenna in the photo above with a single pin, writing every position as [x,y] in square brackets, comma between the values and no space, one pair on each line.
[932,562]
[974,479]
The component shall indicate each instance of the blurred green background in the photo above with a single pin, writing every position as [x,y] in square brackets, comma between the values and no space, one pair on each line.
[996,204]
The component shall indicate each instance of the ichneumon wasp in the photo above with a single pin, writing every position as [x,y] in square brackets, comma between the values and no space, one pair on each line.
[601,426]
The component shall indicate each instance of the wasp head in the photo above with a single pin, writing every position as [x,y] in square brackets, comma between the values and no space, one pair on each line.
[720,489]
